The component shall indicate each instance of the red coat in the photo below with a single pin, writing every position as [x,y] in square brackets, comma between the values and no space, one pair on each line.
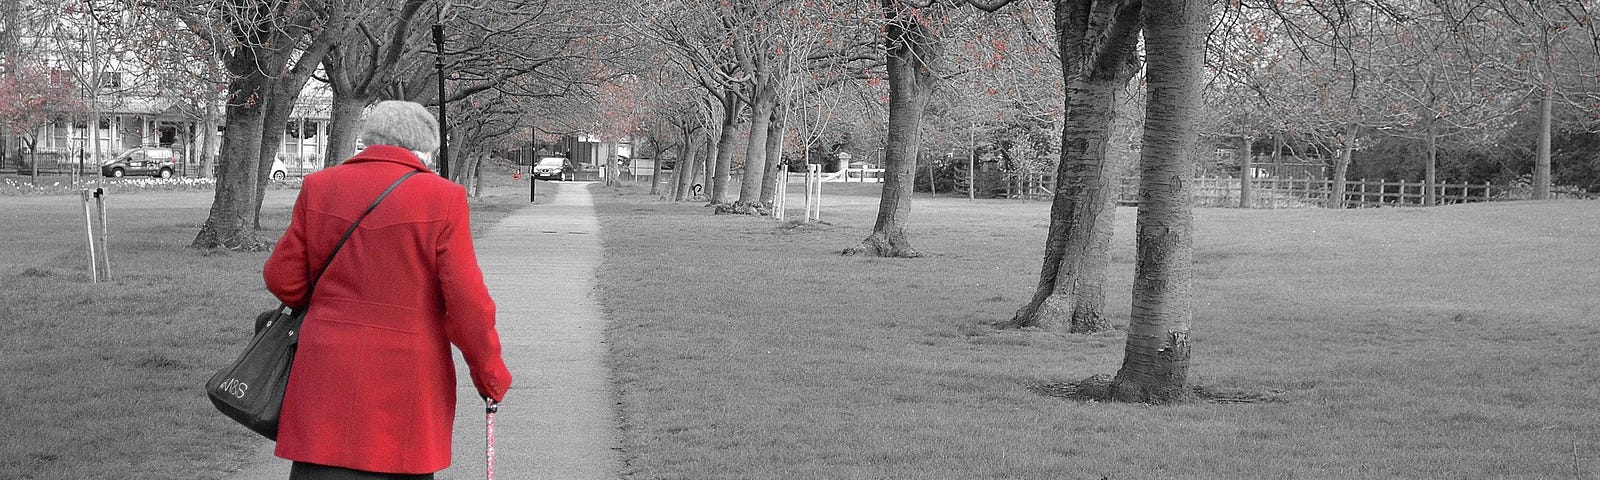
[373,385]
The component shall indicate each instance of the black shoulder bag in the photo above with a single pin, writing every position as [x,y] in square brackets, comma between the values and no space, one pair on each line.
[250,390]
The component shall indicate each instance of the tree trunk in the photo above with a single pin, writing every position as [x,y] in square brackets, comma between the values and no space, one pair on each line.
[1155,368]
[281,94]
[1541,163]
[912,50]
[755,152]
[708,164]
[688,165]
[1341,169]
[208,136]
[228,225]
[280,106]
[1070,296]
[343,125]
[464,141]
[613,168]
[1430,173]
[472,175]
[263,52]
[33,155]
[775,133]
[655,168]
[1277,156]
[724,166]
[1247,169]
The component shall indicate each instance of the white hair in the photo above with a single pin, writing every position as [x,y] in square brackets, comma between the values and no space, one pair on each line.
[403,124]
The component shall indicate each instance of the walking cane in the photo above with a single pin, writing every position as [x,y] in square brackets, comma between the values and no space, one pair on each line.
[488,452]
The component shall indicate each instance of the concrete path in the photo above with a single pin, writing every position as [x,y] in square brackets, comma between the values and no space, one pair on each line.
[559,421]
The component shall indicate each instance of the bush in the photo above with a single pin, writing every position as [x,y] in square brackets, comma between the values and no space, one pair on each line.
[947,177]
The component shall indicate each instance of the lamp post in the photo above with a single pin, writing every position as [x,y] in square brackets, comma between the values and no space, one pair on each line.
[444,128]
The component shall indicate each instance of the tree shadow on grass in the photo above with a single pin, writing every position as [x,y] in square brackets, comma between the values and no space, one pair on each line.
[1096,389]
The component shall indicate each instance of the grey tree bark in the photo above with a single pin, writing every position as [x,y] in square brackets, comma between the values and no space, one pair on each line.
[1097,52]
[723,171]
[1155,366]
[1247,168]
[764,101]
[775,134]
[1341,168]
[687,167]
[262,49]
[912,50]
[1541,163]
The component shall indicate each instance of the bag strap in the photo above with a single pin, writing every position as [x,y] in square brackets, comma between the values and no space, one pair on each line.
[348,231]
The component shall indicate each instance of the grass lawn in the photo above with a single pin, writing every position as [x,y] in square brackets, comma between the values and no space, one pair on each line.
[103,381]
[1398,343]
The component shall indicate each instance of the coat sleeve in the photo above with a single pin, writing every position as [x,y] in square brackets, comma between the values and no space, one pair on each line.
[469,311]
[286,272]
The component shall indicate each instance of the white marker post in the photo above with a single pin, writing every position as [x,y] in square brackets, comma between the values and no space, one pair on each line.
[88,233]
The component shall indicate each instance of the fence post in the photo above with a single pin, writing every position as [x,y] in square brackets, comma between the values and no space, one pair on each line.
[1277,189]
[1338,198]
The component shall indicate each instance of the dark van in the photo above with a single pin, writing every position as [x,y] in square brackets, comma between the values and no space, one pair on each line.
[154,161]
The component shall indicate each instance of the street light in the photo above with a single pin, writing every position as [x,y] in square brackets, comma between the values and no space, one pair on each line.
[444,128]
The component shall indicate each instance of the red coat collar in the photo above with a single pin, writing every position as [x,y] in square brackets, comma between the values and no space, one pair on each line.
[389,153]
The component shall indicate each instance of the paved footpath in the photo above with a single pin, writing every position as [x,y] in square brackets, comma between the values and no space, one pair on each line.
[559,421]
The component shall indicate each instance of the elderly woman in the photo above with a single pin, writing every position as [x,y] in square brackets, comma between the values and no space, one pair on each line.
[372,393]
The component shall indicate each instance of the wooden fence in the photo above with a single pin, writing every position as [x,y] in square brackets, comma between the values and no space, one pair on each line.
[1283,192]
[858,175]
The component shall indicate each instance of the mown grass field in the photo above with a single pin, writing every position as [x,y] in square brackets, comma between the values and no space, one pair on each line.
[1400,343]
[1449,342]
[103,381]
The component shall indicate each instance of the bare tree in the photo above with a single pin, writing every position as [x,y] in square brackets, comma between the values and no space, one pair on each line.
[702,43]
[1546,50]
[257,43]
[756,30]
[385,48]
[912,49]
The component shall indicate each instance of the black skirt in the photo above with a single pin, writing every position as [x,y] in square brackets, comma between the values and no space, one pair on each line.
[312,471]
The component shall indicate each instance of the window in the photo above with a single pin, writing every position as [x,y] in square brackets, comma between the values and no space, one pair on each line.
[79,133]
[62,78]
[110,80]
[55,136]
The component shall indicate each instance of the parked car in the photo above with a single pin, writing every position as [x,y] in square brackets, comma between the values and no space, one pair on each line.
[554,168]
[155,161]
[279,171]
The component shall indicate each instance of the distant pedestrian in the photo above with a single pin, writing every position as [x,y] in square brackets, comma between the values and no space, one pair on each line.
[372,393]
